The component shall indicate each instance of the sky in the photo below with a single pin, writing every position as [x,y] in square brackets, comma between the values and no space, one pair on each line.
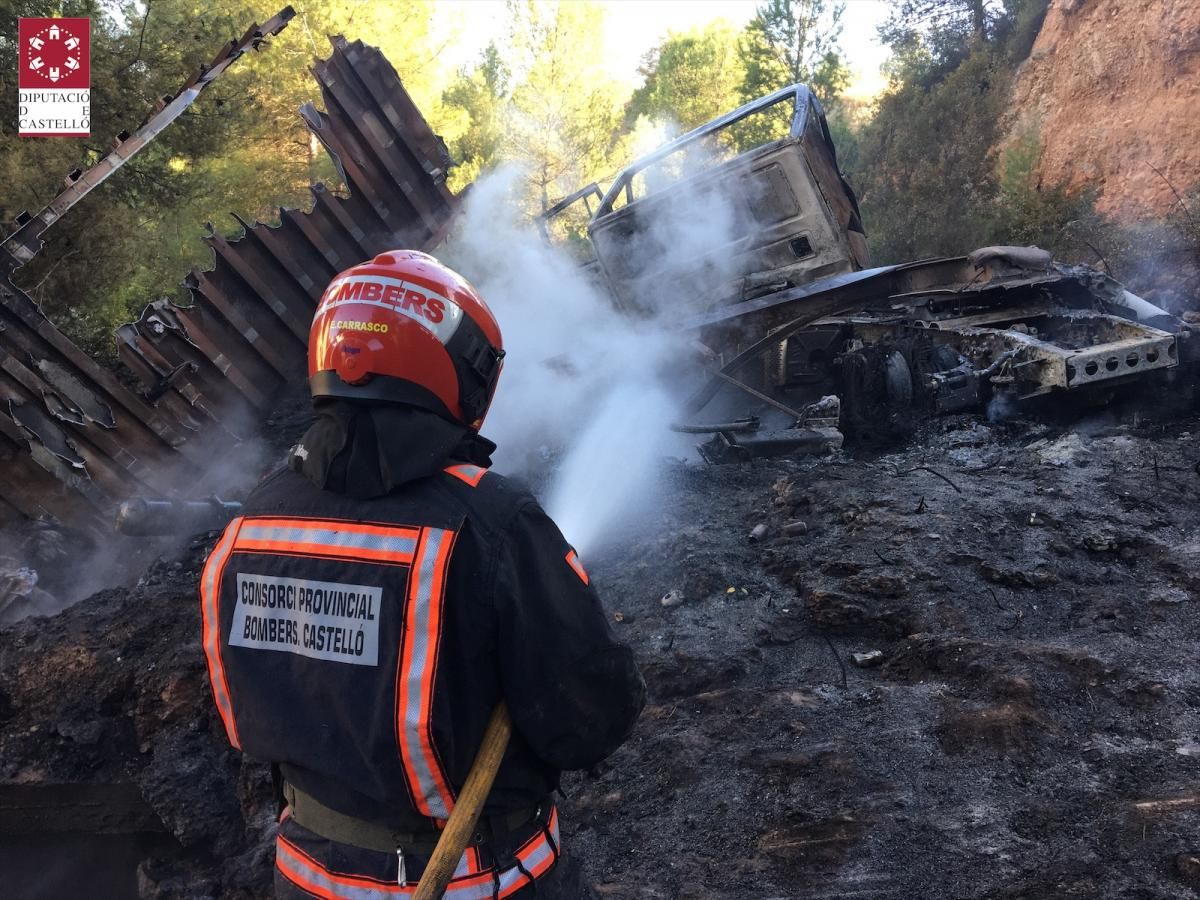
[634,26]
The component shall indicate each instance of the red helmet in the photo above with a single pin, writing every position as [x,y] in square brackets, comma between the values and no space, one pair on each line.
[403,328]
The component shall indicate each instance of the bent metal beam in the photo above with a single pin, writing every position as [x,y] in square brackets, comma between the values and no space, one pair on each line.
[74,439]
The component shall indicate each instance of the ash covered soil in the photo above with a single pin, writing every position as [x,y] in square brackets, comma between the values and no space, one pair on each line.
[1030,731]
[1030,728]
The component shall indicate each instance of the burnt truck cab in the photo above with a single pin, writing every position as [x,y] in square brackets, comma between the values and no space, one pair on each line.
[744,235]
[731,223]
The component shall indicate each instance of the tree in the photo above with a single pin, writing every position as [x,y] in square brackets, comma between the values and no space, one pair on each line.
[926,172]
[933,173]
[969,17]
[790,41]
[565,113]
[240,148]
[690,78]
[475,120]
[929,38]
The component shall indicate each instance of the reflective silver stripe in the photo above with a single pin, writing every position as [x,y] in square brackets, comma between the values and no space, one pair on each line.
[286,859]
[533,856]
[212,633]
[397,544]
[418,682]
[464,866]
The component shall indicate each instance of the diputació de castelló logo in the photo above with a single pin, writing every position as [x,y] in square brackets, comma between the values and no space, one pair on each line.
[54,77]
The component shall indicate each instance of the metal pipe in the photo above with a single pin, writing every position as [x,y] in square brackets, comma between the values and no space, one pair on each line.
[143,517]
[750,423]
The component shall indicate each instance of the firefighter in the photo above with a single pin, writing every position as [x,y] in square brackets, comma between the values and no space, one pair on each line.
[383,592]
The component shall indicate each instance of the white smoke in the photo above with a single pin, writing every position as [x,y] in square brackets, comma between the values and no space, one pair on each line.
[585,388]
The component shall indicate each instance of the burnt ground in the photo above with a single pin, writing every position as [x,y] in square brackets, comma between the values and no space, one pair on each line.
[1031,729]
[114,691]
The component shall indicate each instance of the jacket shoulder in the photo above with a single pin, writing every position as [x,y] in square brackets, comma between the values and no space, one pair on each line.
[488,494]
[277,486]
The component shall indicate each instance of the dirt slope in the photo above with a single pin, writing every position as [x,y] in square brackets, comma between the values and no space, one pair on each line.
[1112,88]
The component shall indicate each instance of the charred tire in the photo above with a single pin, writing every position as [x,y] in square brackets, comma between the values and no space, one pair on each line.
[876,387]
[898,380]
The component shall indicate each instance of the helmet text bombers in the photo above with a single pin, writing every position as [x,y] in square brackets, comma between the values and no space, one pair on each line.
[403,328]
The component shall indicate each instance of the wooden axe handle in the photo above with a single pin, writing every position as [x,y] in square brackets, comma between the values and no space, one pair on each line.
[463,818]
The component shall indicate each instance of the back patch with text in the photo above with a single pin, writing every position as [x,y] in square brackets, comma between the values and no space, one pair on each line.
[318,619]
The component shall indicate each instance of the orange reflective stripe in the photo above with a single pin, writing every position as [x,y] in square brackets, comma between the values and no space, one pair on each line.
[574,563]
[536,856]
[328,538]
[210,617]
[468,474]
[417,674]
[303,871]
[285,866]
[345,525]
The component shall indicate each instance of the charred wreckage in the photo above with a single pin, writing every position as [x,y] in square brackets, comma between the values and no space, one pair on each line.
[76,441]
[800,326]
[806,344]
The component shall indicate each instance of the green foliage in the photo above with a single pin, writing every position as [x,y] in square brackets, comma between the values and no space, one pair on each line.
[924,158]
[565,113]
[691,78]
[947,27]
[240,148]
[542,99]
[475,120]
[936,177]
[929,39]
[925,171]
[1029,212]
[789,42]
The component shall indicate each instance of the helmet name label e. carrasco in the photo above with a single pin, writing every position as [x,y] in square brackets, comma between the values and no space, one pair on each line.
[431,310]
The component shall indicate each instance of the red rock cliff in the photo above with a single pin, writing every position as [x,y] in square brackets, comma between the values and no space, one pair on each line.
[1112,87]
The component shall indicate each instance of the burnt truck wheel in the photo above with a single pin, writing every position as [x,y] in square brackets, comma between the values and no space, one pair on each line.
[898,381]
[876,388]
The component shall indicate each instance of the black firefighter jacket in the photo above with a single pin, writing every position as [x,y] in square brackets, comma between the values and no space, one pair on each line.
[363,644]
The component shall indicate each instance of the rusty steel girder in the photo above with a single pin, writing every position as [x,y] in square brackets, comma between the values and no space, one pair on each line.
[246,332]
[25,242]
[75,440]
[73,437]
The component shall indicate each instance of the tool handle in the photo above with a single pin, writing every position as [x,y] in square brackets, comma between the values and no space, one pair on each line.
[463,818]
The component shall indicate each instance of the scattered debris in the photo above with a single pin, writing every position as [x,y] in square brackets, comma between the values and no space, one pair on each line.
[867,659]
[73,437]
[245,334]
[758,532]
[19,594]
[970,763]
[672,598]
[998,737]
